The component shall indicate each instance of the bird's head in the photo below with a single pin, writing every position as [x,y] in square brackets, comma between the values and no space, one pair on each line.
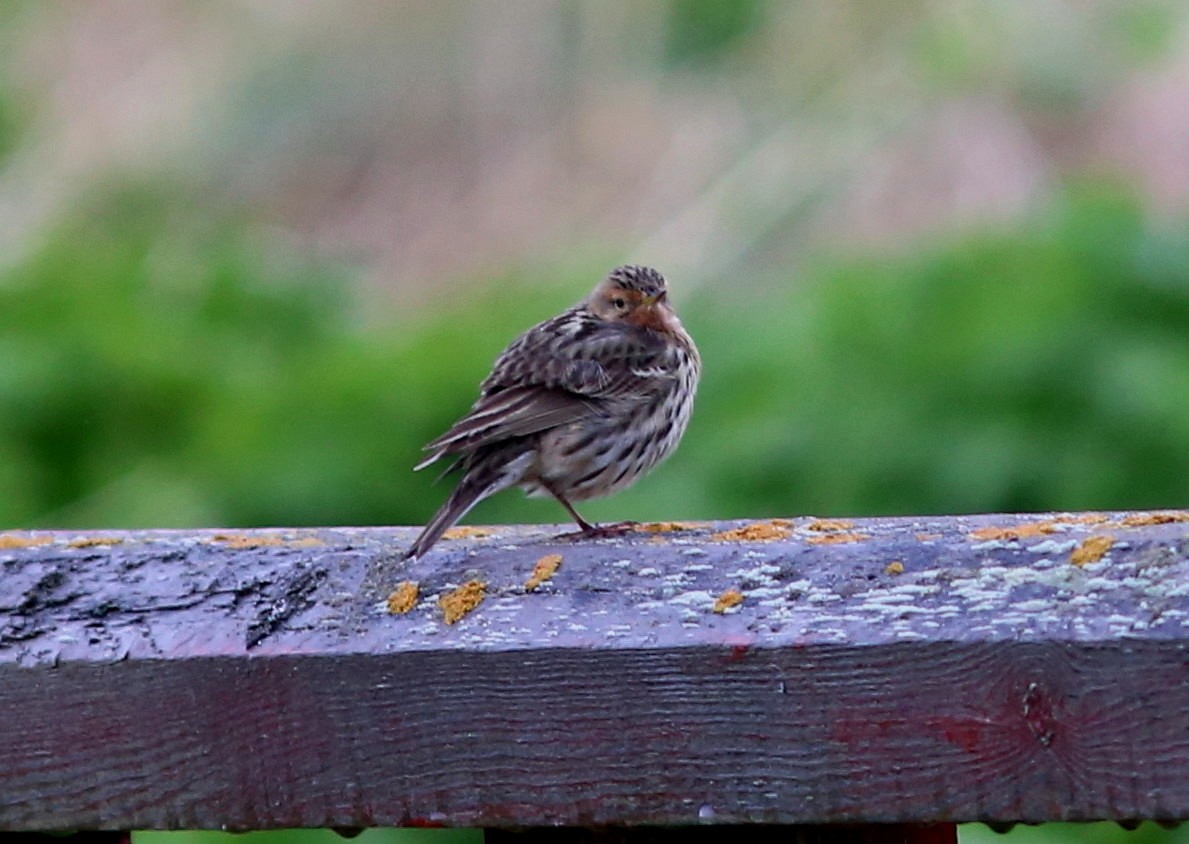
[634,295]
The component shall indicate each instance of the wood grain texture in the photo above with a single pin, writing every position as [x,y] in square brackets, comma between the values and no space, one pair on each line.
[888,671]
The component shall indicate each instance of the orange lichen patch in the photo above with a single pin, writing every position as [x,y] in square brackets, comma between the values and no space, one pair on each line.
[1081,519]
[1145,519]
[11,540]
[837,538]
[466,532]
[894,567]
[1091,550]
[545,568]
[758,532]
[728,599]
[1035,529]
[243,540]
[668,527]
[928,537]
[403,597]
[1032,529]
[458,602]
[824,525]
[93,541]
[264,540]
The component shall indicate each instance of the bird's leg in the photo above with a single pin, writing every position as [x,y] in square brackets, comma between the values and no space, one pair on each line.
[583,525]
[585,528]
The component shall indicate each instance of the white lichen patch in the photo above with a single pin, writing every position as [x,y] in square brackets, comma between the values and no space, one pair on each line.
[1036,605]
[916,588]
[764,571]
[1052,546]
[1120,622]
[888,597]
[694,598]
[899,609]
[993,545]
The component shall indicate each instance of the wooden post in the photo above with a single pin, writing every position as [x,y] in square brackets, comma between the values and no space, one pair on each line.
[884,673]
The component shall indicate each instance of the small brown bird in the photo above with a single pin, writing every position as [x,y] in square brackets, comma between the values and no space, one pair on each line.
[576,407]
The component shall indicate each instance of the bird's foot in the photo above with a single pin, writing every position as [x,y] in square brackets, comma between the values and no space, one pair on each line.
[601,531]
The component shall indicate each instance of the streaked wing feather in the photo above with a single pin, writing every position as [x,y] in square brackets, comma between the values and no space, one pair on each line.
[516,412]
[581,354]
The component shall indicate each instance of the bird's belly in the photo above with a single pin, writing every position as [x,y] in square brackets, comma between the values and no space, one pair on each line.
[602,456]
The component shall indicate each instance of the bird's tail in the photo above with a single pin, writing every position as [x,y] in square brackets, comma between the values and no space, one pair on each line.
[475,485]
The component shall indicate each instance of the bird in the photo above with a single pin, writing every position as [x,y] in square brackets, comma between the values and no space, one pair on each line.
[576,407]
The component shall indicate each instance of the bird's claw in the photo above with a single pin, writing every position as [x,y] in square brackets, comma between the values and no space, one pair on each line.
[601,531]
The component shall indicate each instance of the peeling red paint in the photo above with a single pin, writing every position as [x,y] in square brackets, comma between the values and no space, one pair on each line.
[964,733]
[422,823]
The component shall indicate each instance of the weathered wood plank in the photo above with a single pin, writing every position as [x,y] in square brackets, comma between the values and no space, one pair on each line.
[896,670]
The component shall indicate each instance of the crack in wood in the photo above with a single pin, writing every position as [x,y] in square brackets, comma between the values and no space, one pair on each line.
[294,594]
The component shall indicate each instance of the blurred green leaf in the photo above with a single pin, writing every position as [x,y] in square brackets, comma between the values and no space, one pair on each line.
[1073,833]
[704,29]
[1146,28]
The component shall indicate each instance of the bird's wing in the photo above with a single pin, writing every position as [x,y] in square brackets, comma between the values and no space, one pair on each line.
[515,412]
[581,354]
[562,371]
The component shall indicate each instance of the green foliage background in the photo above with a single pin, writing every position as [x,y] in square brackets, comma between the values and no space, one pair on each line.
[158,369]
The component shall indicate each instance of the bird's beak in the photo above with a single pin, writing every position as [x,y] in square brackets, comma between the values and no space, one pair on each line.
[656,313]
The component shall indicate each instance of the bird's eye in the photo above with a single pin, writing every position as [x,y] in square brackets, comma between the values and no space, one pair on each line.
[619,303]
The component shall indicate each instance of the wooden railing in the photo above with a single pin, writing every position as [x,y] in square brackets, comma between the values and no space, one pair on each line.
[892,675]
